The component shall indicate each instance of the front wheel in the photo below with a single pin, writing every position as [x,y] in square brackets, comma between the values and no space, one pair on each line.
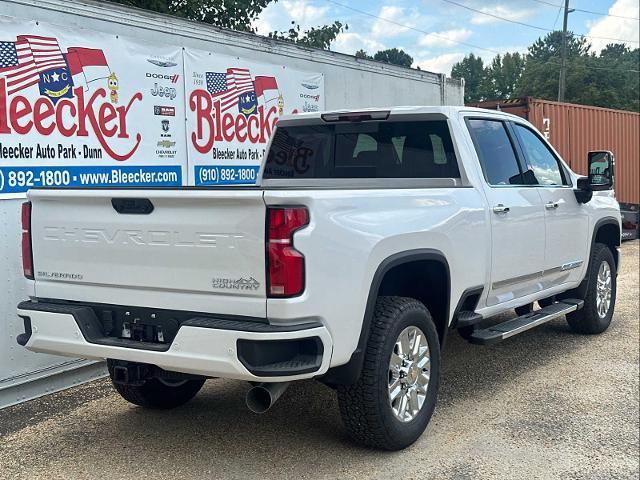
[392,402]
[600,295]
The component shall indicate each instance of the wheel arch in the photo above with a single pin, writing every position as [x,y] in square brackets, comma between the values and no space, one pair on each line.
[607,231]
[389,272]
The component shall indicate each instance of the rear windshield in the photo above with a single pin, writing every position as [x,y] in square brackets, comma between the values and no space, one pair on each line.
[363,150]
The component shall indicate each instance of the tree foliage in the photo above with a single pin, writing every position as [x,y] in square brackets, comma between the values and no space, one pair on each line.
[317,37]
[502,75]
[472,69]
[234,14]
[394,56]
[608,79]
[362,54]
[541,74]
[238,15]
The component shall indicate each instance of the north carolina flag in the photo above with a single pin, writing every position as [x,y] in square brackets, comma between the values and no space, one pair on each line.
[90,62]
[267,87]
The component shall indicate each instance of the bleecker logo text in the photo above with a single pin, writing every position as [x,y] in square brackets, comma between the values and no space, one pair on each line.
[70,117]
[214,125]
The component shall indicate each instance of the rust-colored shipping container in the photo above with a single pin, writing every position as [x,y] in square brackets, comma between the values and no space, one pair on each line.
[574,130]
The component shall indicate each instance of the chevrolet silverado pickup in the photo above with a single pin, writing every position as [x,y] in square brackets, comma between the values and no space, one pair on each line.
[370,236]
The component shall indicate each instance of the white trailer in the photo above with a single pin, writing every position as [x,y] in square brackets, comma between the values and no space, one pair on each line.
[347,82]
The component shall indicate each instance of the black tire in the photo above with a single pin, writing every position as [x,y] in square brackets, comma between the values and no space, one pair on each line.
[587,320]
[524,309]
[364,406]
[155,394]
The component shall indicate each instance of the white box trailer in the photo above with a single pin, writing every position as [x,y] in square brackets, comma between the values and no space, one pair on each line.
[337,81]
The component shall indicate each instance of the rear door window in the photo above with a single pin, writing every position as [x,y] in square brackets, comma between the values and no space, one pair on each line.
[495,151]
[388,149]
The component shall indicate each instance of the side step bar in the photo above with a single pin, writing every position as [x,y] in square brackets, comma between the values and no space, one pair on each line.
[502,331]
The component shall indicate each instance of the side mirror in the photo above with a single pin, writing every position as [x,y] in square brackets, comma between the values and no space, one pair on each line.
[601,166]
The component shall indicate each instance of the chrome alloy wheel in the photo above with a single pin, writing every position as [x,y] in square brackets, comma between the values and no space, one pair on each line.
[603,289]
[409,371]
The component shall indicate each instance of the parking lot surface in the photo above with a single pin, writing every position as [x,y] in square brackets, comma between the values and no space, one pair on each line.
[545,404]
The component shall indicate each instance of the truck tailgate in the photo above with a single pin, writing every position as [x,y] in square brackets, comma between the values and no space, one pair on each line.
[197,250]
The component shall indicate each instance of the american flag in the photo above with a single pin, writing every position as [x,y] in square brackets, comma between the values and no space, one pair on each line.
[22,61]
[229,86]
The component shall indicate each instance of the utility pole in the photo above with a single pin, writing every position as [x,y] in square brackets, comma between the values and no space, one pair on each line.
[563,53]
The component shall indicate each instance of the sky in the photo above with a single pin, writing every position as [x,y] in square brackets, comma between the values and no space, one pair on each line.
[431,30]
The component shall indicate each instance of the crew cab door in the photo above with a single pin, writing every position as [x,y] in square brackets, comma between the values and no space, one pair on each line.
[516,213]
[567,222]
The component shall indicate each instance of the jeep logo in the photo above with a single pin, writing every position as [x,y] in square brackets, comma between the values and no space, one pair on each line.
[166,92]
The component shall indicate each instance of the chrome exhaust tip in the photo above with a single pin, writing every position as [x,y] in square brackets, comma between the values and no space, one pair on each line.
[262,396]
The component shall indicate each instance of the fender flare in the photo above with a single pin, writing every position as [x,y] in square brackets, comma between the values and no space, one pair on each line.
[601,223]
[349,373]
[581,289]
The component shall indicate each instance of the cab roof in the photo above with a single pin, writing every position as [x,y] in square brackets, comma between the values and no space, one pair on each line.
[389,112]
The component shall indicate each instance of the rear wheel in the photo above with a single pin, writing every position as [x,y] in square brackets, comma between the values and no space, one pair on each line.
[392,402]
[158,393]
[600,296]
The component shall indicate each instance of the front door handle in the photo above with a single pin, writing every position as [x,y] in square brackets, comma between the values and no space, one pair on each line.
[500,208]
[551,205]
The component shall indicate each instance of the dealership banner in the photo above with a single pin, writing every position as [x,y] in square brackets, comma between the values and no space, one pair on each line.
[233,105]
[81,108]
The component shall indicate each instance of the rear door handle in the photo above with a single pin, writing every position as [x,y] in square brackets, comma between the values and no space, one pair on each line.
[551,205]
[500,208]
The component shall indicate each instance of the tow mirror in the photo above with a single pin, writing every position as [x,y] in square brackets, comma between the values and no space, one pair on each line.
[601,165]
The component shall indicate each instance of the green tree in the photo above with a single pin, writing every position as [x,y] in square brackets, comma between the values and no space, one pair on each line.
[234,14]
[542,69]
[502,76]
[317,37]
[394,56]
[237,15]
[472,70]
[362,54]
[613,78]
[608,79]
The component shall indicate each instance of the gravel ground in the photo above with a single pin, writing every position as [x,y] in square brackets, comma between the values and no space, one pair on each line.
[545,404]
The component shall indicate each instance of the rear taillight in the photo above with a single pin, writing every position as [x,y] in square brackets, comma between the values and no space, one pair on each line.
[27,253]
[285,265]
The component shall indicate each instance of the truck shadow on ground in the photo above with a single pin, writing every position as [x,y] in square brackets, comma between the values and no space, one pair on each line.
[217,426]
[85,432]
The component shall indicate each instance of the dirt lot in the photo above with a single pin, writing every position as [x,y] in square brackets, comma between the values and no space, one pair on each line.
[545,404]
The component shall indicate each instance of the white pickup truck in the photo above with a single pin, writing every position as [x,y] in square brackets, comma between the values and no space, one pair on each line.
[370,236]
